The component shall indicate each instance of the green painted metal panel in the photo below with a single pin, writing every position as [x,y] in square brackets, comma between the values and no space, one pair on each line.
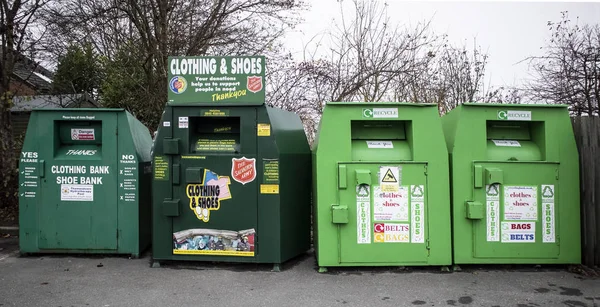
[239,177]
[83,184]
[214,80]
[520,163]
[381,186]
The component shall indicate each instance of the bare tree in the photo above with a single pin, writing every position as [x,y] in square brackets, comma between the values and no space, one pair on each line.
[569,70]
[17,38]
[152,30]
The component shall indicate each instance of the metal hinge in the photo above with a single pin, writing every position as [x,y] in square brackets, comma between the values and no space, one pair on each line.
[427,244]
[557,174]
[425,169]
[117,234]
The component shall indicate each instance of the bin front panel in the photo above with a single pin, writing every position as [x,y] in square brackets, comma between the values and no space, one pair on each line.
[214,177]
[80,179]
[387,213]
[520,202]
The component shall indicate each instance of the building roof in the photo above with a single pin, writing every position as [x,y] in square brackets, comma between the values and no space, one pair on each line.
[27,103]
[34,74]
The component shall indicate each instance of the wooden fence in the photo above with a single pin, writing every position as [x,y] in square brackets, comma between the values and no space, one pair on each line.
[587,136]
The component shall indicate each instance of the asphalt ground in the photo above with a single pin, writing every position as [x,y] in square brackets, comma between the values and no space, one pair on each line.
[73,280]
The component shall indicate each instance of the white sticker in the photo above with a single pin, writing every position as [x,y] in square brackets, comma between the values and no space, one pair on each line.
[380,113]
[76,192]
[492,200]
[520,203]
[513,232]
[391,233]
[363,214]
[507,143]
[548,232]
[514,115]
[389,178]
[82,134]
[417,205]
[390,206]
[380,144]
[166,124]
[183,122]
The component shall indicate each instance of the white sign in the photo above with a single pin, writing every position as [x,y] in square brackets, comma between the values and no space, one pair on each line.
[390,206]
[417,205]
[391,233]
[514,115]
[507,143]
[166,124]
[389,178]
[492,200]
[76,192]
[513,232]
[548,232]
[183,122]
[363,214]
[380,113]
[520,203]
[380,144]
[82,134]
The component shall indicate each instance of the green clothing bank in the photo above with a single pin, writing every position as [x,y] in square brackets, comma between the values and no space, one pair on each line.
[84,176]
[231,176]
[515,184]
[381,186]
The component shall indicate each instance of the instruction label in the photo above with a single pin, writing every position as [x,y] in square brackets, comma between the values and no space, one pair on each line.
[390,206]
[183,122]
[214,112]
[28,180]
[215,145]
[269,189]
[520,203]
[507,143]
[417,204]
[363,214]
[513,232]
[389,178]
[492,200]
[548,228]
[161,168]
[391,233]
[380,144]
[263,130]
[82,134]
[270,171]
[128,184]
[76,192]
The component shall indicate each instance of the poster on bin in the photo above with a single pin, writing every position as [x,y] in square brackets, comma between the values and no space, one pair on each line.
[214,242]
[230,80]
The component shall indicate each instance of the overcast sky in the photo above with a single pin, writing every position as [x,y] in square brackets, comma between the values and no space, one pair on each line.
[508,31]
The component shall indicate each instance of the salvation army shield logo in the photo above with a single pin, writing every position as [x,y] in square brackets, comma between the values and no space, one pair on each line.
[254,84]
[243,170]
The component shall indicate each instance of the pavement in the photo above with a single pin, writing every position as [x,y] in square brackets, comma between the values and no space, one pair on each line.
[66,280]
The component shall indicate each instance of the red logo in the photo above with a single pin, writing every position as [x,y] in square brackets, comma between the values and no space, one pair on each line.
[379,228]
[243,170]
[254,84]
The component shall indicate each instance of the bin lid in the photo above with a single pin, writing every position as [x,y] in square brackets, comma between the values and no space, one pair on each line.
[363,103]
[504,105]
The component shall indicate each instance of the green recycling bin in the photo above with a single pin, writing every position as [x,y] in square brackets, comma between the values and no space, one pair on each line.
[515,184]
[381,186]
[231,175]
[84,180]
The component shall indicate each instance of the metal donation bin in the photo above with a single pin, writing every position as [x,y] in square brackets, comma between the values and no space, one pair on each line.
[231,175]
[381,186]
[84,180]
[515,184]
